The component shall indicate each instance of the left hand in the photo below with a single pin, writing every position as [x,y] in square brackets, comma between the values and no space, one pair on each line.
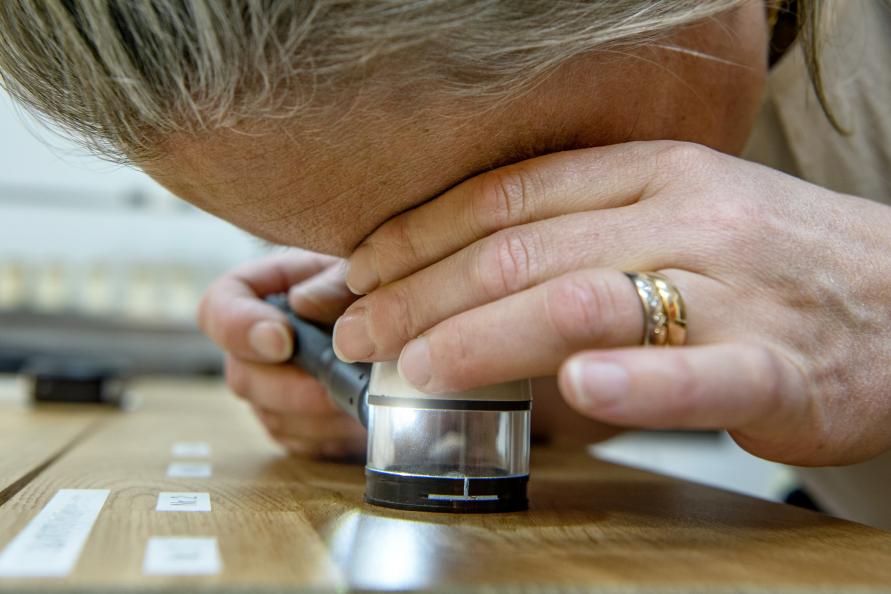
[518,272]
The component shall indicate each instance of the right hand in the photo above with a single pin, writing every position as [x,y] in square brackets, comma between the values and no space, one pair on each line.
[295,409]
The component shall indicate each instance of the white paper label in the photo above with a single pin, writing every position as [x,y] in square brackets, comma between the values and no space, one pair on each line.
[181,556]
[190,449]
[189,470]
[187,502]
[50,544]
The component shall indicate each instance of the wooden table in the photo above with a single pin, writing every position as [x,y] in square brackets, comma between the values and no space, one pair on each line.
[286,524]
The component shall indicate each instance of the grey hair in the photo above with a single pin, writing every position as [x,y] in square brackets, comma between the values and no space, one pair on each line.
[121,74]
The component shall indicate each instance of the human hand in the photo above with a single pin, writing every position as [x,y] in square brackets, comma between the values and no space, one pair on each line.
[518,273]
[293,406]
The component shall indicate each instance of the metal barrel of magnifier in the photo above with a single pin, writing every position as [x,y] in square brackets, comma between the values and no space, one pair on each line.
[465,453]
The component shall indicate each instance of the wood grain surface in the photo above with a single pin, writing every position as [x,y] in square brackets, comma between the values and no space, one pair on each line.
[288,524]
[31,438]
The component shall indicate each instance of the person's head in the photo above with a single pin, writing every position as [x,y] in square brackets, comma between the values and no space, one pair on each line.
[310,122]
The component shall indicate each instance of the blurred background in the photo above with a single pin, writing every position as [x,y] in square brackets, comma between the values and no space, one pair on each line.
[99,262]
[97,259]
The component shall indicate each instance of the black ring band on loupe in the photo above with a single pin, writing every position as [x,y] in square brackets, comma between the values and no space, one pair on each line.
[440,494]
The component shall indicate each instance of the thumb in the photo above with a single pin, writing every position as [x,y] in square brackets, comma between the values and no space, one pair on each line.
[239,322]
[233,314]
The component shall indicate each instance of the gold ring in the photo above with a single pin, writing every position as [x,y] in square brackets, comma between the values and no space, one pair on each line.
[655,312]
[675,307]
[665,315]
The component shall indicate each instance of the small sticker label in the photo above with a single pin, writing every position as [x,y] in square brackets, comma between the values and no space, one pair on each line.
[189,470]
[182,556]
[188,502]
[50,544]
[190,449]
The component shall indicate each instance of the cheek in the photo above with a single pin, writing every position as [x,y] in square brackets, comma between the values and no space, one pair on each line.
[734,82]
[706,85]
[321,197]
[744,88]
[325,215]
[333,227]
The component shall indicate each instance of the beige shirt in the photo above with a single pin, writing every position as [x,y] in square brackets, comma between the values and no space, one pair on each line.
[793,135]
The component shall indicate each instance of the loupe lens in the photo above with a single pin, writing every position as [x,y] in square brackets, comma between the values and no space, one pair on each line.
[448,459]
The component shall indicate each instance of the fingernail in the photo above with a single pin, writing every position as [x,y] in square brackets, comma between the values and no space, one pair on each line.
[351,339]
[301,296]
[362,276]
[414,363]
[597,384]
[296,293]
[270,340]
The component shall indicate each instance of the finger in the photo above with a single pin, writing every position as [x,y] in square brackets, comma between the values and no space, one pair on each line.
[726,386]
[352,445]
[322,297]
[555,422]
[527,334]
[311,428]
[540,188]
[377,326]
[345,449]
[234,316]
[530,334]
[278,388]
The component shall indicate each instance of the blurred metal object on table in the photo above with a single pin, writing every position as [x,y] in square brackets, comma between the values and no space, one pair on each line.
[67,380]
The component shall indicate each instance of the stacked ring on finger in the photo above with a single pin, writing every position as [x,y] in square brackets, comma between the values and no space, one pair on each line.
[665,315]
[675,309]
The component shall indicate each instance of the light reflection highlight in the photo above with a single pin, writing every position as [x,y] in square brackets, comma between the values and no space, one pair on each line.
[381,553]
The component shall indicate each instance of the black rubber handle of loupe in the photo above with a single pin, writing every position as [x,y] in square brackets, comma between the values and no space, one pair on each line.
[347,383]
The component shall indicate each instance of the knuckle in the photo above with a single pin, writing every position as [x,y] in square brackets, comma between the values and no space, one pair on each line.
[452,356]
[237,378]
[202,312]
[729,225]
[392,313]
[310,429]
[694,164]
[228,335]
[405,239]
[578,307]
[767,370]
[308,398]
[209,310]
[678,155]
[732,215]
[503,196]
[505,263]
[320,428]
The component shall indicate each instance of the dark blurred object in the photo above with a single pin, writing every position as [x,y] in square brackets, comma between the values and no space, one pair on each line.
[784,30]
[75,381]
[800,498]
[11,361]
[147,348]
